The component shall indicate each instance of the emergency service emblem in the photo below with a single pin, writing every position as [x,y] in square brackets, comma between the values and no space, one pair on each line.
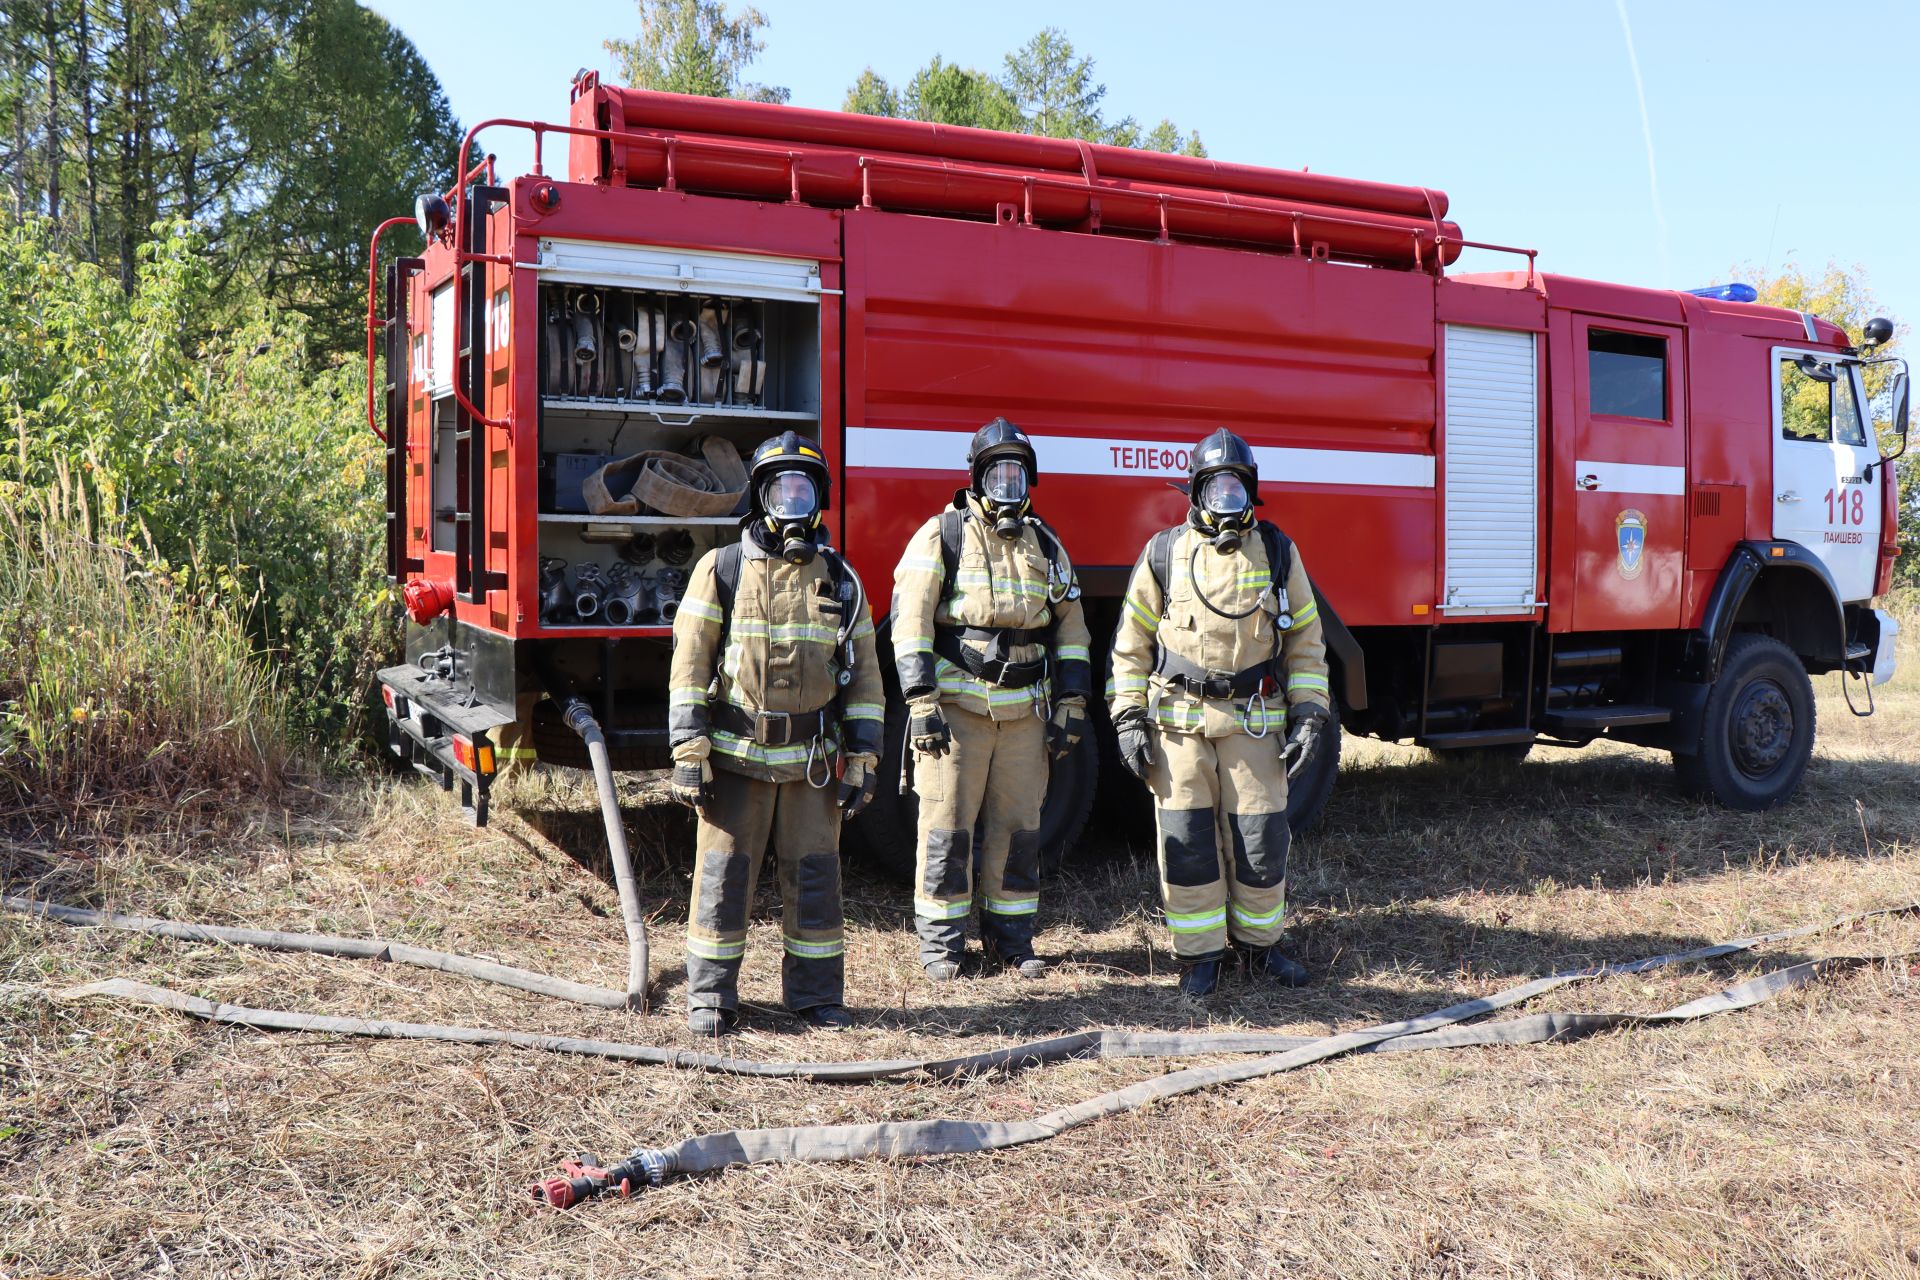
[1630,531]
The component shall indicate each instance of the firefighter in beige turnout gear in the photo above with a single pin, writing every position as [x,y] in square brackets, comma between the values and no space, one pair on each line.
[991,649]
[775,716]
[1217,657]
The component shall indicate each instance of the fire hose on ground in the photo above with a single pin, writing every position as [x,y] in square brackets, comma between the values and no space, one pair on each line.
[585,1179]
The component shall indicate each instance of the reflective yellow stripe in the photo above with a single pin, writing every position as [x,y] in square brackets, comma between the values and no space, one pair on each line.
[913,644]
[1305,616]
[1013,906]
[701,609]
[687,697]
[865,711]
[1306,680]
[1261,921]
[707,950]
[1143,615]
[1073,653]
[928,909]
[918,564]
[1198,921]
[814,950]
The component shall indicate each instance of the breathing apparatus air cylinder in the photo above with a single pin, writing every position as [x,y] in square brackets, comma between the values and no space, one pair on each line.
[789,485]
[1222,490]
[1003,470]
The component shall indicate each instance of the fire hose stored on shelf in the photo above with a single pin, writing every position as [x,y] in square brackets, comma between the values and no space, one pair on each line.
[585,1178]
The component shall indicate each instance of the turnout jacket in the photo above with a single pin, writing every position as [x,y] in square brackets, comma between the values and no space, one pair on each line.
[997,582]
[1178,621]
[778,652]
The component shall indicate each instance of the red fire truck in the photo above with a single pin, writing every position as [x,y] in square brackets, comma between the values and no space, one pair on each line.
[1536,508]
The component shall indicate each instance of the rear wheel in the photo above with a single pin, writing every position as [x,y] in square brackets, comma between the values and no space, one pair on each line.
[1756,732]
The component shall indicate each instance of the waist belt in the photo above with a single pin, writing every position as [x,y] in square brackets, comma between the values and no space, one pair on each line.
[768,728]
[993,666]
[1198,680]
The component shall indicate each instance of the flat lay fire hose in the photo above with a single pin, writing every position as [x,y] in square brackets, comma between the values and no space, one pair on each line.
[586,1179]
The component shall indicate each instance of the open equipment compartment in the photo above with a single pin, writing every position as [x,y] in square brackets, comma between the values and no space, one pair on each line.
[691,358]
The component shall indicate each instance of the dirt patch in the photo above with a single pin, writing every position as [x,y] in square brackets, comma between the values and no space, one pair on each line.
[1773,1142]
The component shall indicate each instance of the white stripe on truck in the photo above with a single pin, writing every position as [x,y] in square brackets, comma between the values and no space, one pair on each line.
[909,449]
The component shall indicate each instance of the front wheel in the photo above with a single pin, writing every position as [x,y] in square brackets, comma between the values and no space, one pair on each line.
[1756,732]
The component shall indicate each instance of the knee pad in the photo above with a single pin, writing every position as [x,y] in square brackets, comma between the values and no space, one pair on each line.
[1260,842]
[817,884]
[949,864]
[721,896]
[1188,848]
[1023,863]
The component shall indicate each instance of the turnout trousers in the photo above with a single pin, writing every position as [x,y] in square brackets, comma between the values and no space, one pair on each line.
[1220,806]
[804,823]
[993,778]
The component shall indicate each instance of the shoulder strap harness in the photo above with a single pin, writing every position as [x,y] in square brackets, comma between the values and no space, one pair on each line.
[995,666]
[1257,679]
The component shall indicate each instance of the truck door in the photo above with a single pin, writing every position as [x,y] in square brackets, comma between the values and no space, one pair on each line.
[1629,475]
[1822,498]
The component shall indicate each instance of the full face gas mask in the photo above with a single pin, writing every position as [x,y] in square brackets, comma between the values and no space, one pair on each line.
[1002,489]
[1223,509]
[791,508]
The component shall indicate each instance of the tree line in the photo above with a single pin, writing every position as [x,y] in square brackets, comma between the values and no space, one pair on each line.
[1044,87]
[282,130]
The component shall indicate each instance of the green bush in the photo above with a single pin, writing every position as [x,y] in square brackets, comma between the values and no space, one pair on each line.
[249,468]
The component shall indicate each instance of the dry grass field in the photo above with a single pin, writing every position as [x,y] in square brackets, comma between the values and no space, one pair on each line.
[1774,1142]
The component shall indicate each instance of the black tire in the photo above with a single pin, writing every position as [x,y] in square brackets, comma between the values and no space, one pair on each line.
[887,834]
[1308,793]
[1756,733]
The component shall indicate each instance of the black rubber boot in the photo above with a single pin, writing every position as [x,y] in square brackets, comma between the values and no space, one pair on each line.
[1021,964]
[1201,978]
[829,1017]
[942,970]
[712,1022]
[1277,965]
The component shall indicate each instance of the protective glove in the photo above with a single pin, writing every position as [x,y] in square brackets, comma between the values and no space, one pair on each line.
[1068,726]
[927,729]
[1136,741]
[857,784]
[1305,720]
[692,782]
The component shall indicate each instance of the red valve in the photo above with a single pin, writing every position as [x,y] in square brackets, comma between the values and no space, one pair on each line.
[426,600]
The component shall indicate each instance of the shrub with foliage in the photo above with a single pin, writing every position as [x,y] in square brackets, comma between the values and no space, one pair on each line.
[248,469]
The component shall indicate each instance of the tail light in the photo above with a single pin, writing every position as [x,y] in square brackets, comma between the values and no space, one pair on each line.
[475,758]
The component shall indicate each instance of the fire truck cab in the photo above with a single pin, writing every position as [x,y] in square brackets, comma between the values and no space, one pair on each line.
[1536,509]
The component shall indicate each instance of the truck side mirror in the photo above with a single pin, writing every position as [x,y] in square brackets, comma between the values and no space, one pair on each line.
[1897,397]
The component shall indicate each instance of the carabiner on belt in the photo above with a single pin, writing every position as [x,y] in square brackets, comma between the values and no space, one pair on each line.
[1247,716]
[814,752]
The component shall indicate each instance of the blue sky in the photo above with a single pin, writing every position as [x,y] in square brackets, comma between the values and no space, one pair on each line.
[1761,117]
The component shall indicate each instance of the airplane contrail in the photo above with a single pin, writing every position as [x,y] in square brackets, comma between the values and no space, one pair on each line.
[1646,130]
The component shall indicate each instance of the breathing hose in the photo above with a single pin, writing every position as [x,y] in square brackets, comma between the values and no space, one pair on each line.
[1193,559]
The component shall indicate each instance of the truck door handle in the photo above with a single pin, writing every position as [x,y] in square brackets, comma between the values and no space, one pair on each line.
[1588,482]
[1788,496]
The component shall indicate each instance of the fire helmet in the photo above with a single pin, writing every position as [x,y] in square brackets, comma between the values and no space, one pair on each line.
[777,467]
[1003,469]
[1223,489]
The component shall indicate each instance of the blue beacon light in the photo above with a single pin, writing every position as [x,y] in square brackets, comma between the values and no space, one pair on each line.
[1727,293]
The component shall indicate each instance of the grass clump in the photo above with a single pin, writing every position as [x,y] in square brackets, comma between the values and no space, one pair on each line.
[122,688]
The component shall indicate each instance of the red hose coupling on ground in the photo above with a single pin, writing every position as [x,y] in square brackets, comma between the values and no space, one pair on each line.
[426,600]
[586,1180]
